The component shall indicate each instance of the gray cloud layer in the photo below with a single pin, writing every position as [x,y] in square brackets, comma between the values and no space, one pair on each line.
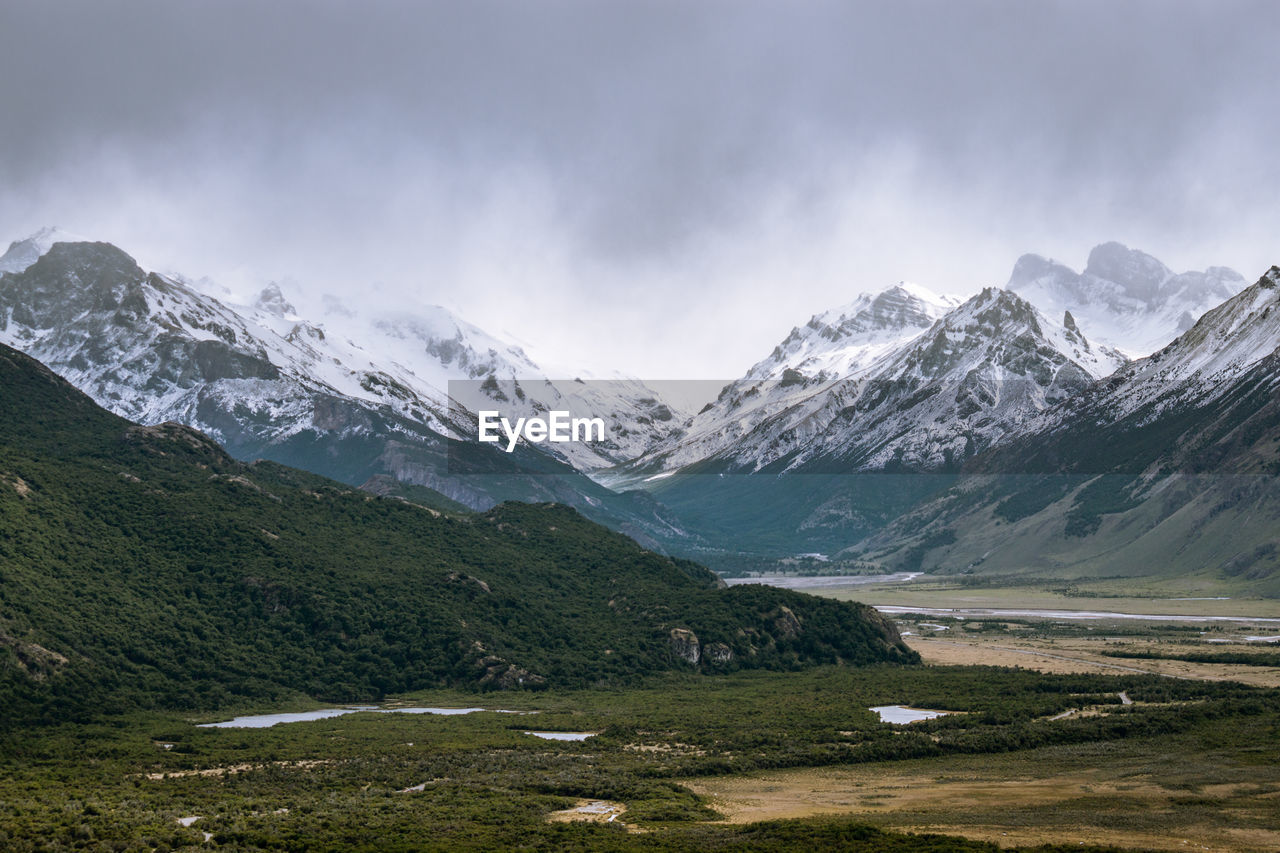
[708,172]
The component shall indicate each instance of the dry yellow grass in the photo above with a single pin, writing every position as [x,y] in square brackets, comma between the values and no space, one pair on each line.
[1084,654]
[1023,806]
[1025,799]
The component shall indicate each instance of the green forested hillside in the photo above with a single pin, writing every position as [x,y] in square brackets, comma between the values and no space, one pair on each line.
[142,566]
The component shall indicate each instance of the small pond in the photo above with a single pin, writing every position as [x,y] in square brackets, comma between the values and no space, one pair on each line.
[262,721]
[903,714]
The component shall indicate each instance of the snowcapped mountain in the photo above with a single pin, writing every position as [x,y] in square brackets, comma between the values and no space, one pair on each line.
[24,253]
[1200,365]
[479,372]
[936,387]
[153,349]
[922,388]
[909,378]
[404,361]
[267,383]
[844,341]
[832,347]
[897,381]
[1124,299]
[455,364]
[1168,467]
[979,372]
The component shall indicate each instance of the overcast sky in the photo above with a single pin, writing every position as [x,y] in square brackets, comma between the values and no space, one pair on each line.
[661,188]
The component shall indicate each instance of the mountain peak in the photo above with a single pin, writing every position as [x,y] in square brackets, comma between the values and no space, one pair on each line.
[104,259]
[1125,299]
[25,252]
[70,279]
[1000,327]
[1031,268]
[841,341]
[1138,273]
[272,301]
[1226,340]
[919,292]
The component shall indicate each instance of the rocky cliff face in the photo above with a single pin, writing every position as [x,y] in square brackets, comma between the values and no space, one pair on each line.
[685,645]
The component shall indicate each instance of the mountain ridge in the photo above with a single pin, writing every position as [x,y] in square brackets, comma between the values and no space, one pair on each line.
[1125,298]
[1171,466]
[268,385]
[145,567]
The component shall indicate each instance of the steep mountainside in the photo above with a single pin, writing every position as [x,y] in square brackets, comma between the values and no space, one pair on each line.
[404,361]
[840,343]
[832,348]
[447,360]
[1124,298]
[842,458]
[142,565]
[1171,466]
[267,384]
[948,393]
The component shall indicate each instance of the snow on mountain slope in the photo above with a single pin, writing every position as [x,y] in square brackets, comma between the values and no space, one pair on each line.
[448,360]
[152,349]
[1227,340]
[926,397]
[839,343]
[144,362]
[978,372]
[1124,299]
[1200,364]
[1166,468]
[832,347]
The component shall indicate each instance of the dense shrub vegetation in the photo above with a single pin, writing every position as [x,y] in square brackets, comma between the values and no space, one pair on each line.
[143,567]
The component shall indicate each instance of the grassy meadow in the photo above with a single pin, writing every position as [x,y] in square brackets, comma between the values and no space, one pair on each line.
[675,759]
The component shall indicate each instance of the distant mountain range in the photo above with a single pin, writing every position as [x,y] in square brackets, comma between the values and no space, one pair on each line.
[845,438]
[268,384]
[910,378]
[1125,299]
[144,567]
[911,398]
[868,409]
[1170,467]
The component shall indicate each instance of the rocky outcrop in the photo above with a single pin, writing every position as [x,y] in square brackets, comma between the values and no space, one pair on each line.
[717,654]
[685,645]
[31,659]
[786,623]
[461,577]
[506,676]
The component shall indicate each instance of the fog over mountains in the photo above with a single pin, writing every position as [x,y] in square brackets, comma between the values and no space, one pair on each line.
[364,401]
[1124,298]
[901,381]
[847,385]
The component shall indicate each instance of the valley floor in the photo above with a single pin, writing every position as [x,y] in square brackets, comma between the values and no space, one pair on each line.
[1149,794]
[759,760]
[1096,654]
[1186,598]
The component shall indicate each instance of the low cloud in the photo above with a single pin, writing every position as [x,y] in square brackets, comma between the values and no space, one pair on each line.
[664,188]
